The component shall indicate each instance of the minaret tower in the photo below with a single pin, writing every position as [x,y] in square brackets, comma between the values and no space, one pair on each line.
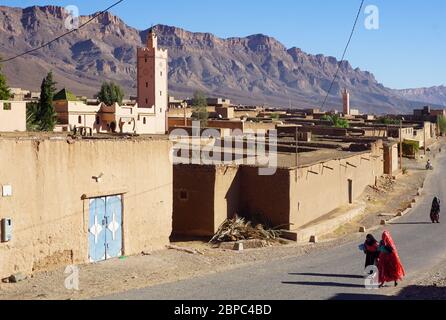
[346,102]
[152,75]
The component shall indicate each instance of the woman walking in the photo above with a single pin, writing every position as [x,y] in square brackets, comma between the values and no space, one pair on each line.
[435,211]
[389,263]
[371,246]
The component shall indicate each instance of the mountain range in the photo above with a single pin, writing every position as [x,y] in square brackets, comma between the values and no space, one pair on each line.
[256,69]
[434,95]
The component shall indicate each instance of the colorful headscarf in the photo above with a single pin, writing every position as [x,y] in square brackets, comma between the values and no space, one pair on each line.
[388,241]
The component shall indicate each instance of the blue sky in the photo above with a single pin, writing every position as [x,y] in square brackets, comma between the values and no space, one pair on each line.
[408,50]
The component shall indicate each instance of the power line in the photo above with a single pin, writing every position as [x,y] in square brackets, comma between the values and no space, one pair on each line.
[343,55]
[63,35]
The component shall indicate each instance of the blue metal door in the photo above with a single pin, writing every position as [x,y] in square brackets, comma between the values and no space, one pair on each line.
[105,228]
[113,234]
[96,231]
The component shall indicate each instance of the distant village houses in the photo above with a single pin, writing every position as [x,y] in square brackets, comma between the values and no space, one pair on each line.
[97,198]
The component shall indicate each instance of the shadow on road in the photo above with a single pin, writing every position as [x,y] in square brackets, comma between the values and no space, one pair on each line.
[324,284]
[347,276]
[408,293]
[408,223]
[361,297]
[422,293]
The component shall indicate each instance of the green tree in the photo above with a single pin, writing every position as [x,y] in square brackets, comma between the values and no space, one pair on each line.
[441,124]
[110,93]
[32,124]
[388,121]
[275,116]
[199,106]
[46,116]
[5,94]
[336,121]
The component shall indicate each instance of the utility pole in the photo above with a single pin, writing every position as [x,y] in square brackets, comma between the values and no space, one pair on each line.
[297,152]
[297,146]
[401,144]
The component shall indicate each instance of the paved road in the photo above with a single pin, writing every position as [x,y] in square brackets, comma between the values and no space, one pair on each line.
[330,274]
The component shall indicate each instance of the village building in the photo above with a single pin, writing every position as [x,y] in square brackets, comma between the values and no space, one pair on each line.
[19,94]
[146,116]
[79,201]
[295,195]
[12,116]
[175,103]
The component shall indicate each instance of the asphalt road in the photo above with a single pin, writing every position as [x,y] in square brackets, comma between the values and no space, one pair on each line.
[329,274]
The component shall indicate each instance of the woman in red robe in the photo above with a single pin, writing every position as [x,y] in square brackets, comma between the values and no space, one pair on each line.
[389,263]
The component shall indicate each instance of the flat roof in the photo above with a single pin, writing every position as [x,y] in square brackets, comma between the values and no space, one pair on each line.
[307,159]
[62,136]
[285,160]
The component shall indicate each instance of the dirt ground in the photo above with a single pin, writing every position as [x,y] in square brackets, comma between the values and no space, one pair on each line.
[171,265]
[144,270]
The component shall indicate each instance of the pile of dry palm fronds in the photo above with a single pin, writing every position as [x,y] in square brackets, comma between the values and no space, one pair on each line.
[237,229]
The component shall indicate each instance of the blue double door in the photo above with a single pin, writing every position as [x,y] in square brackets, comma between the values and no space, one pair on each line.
[105,228]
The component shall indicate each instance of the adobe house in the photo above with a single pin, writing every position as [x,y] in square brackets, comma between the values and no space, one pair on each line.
[81,201]
[101,118]
[12,116]
[323,180]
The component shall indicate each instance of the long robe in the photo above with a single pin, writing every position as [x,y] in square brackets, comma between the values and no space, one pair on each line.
[435,211]
[372,253]
[389,263]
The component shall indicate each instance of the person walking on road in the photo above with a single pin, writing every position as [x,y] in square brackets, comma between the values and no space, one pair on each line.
[371,246]
[435,210]
[389,263]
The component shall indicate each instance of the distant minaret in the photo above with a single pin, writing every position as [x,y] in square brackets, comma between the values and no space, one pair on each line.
[346,102]
[152,75]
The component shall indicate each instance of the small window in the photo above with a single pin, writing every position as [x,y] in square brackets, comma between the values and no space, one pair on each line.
[79,119]
[144,121]
[161,73]
[161,110]
[161,93]
[145,59]
[147,84]
[147,101]
[98,121]
[6,106]
[184,196]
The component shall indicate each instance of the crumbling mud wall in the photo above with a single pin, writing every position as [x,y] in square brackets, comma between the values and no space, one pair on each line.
[322,188]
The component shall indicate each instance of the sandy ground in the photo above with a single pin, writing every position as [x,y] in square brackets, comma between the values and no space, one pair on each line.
[171,265]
